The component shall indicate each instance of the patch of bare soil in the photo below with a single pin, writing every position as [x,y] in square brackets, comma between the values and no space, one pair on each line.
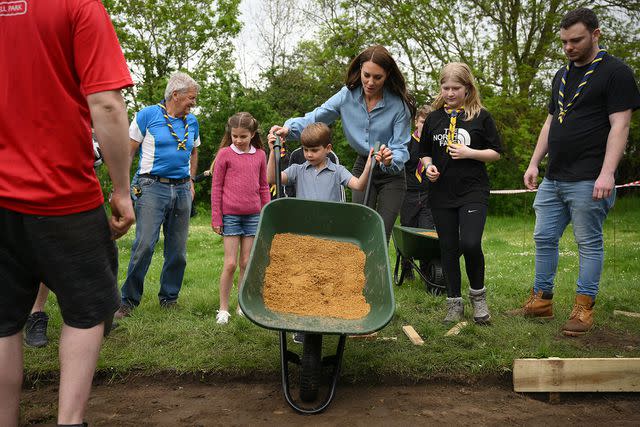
[179,401]
[606,339]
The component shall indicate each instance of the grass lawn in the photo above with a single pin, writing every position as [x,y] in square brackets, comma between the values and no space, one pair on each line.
[187,340]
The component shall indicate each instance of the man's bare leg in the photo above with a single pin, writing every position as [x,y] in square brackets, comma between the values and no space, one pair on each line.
[41,299]
[79,351]
[10,379]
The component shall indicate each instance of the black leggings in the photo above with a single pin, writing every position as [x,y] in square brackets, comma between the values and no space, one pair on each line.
[460,233]
[386,193]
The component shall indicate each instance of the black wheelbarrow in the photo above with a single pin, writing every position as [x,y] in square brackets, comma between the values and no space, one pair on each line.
[345,222]
[418,244]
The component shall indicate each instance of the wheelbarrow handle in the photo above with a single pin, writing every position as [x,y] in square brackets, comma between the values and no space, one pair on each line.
[367,191]
[277,147]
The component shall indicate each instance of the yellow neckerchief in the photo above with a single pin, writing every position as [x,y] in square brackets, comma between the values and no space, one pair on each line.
[563,82]
[182,145]
[420,167]
[453,115]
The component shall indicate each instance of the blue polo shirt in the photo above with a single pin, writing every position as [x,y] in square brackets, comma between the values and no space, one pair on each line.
[159,154]
[313,184]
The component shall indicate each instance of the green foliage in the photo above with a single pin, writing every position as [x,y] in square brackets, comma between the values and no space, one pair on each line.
[512,47]
[159,37]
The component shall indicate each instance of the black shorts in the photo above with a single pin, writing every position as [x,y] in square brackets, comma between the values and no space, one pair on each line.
[72,254]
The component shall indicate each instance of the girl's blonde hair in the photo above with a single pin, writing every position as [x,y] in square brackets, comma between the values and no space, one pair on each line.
[242,120]
[461,73]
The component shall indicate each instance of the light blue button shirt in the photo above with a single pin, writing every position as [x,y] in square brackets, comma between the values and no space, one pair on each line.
[388,123]
[313,184]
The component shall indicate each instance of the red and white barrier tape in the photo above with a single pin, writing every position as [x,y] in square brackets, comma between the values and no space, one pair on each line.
[630,184]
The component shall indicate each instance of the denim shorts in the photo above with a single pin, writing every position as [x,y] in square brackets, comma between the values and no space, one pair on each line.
[240,225]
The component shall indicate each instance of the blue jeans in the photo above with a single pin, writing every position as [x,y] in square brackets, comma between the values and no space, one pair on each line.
[556,204]
[169,206]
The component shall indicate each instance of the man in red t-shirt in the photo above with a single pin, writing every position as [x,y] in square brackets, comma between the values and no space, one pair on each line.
[62,68]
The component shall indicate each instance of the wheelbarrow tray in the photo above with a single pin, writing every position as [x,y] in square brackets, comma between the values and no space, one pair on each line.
[346,222]
[412,244]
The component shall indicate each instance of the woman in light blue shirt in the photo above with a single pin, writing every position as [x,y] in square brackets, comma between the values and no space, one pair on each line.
[374,106]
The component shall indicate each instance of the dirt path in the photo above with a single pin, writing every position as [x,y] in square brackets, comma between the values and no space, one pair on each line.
[175,401]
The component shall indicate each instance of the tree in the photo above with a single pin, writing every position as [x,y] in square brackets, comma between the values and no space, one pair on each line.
[159,37]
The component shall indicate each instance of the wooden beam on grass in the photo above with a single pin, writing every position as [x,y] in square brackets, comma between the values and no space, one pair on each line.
[456,329]
[413,335]
[626,313]
[371,336]
[568,375]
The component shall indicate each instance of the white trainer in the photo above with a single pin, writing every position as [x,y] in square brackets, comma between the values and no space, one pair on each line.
[222,318]
[239,311]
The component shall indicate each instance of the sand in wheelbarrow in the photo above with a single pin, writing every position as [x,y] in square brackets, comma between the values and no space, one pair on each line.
[429,233]
[315,277]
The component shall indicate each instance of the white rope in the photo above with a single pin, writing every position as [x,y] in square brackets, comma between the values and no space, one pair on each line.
[519,191]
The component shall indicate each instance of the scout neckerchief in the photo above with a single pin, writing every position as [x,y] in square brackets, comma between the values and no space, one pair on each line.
[563,81]
[420,166]
[182,145]
[453,115]
[272,189]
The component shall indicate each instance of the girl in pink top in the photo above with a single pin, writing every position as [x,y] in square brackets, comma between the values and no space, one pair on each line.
[239,190]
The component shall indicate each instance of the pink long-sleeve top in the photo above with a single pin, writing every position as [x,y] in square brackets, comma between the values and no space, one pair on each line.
[239,185]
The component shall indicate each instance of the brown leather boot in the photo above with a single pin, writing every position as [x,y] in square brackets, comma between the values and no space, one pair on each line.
[539,306]
[581,319]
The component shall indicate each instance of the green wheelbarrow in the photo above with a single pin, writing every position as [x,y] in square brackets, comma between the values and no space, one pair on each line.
[413,244]
[345,222]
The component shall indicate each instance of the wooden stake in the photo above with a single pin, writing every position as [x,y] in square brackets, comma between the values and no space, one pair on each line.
[626,313]
[412,334]
[554,398]
[371,336]
[456,329]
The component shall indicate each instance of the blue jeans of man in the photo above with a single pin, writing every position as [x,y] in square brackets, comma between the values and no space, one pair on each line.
[556,204]
[169,206]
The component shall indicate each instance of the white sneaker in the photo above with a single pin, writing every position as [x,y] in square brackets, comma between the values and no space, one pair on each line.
[222,318]
[239,311]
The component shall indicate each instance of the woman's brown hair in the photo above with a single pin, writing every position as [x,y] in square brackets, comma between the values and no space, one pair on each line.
[395,82]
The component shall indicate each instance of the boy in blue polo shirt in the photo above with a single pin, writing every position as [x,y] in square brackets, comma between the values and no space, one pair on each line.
[318,178]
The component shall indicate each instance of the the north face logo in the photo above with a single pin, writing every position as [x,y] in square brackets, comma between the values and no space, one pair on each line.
[12,8]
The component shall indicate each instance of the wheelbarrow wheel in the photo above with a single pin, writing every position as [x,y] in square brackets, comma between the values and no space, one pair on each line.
[310,367]
[436,282]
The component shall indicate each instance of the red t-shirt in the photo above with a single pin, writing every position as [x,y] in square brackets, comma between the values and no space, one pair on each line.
[54,53]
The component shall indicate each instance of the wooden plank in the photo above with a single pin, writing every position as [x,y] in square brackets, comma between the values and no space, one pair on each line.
[412,334]
[626,313]
[456,329]
[371,336]
[567,375]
